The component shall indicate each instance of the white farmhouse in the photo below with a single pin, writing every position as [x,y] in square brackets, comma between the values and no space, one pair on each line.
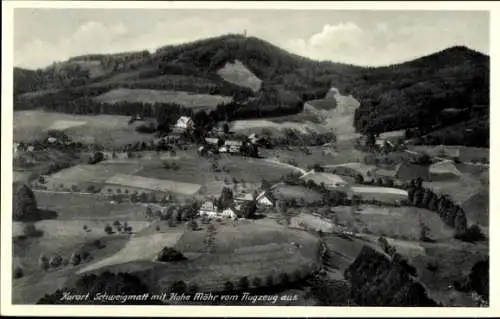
[265,200]
[212,141]
[184,122]
[233,146]
[229,213]
[242,198]
[208,209]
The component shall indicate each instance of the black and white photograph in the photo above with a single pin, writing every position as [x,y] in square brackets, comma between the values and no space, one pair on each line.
[247,156]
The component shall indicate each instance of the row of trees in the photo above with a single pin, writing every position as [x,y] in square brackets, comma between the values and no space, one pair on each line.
[452,214]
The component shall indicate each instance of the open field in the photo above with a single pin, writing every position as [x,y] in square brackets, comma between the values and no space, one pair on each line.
[108,130]
[65,124]
[459,189]
[335,112]
[328,179]
[319,155]
[88,174]
[239,74]
[250,250]
[396,222]
[384,194]
[464,153]
[72,206]
[154,184]
[137,248]
[186,99]
[288,192]
[452,264]
[351,169]
[65,235]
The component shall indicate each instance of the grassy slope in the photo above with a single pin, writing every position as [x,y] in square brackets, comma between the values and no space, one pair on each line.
[399,96]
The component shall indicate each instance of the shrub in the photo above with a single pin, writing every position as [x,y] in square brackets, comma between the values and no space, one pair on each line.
[55,261]
[192,288]
[257,282]
[43,262]
[471,235]
[169,254]
[18,272]
[243,284]
[269,281]
[65,262]
[178,287]
[108,230]
[228,286]
[433,266]
[98,244]
[284,279]
[75,259]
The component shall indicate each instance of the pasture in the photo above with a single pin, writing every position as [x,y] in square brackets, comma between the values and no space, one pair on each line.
[74,206]
[154,184]
[351,169]
[107,130]
[395,222]
[288,192]
[451,263]
[186,99]
[329,180]
[383,194]
[79,222]
[137,248]
[459,189]
[240,250]
[239,74]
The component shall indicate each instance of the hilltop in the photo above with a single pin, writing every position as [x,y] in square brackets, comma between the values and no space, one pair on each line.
[415,94]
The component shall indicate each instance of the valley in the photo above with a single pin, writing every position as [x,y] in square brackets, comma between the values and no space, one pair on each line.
[243,174]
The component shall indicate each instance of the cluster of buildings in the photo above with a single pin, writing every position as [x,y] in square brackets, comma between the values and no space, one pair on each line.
[209,208]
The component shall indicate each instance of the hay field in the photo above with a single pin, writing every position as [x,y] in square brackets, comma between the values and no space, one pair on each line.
[250,250]
[396,222]
[288,192]
[65,124]
[330,180]
[154,184]
[350,169]
[239,74]
[83,173]
[380,193]
[71,206]
[186,99]
[137,248]
[108,130]
[459,189]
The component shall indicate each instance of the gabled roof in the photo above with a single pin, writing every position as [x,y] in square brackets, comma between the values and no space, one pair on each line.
[267,195]
[246,196]
[233,142]
[184,120]
[211,140]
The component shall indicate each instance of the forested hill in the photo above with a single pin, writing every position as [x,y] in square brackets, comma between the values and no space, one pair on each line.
[434,92]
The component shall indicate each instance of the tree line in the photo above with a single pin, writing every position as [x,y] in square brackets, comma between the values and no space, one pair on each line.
[452,214]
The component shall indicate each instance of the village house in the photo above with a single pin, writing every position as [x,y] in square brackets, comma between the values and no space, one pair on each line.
[233,146]
[184,123]
[229,212]
[212,141]
[243,197]
[208,209]
[265,199]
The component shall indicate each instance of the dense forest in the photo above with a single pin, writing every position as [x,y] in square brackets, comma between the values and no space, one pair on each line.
[439,93]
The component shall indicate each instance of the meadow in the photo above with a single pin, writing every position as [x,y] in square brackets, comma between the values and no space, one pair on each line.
[107,130]
[186,99]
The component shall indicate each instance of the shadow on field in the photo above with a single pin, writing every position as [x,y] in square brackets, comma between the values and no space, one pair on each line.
[41,214]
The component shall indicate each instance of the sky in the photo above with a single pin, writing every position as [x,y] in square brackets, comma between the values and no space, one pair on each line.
[367,38]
